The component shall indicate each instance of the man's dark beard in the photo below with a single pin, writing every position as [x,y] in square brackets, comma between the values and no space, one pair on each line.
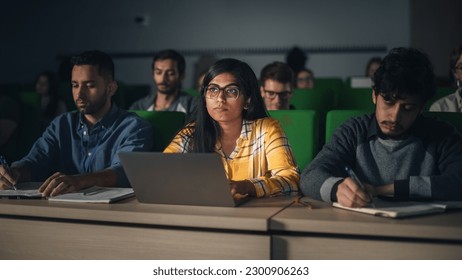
[94,107]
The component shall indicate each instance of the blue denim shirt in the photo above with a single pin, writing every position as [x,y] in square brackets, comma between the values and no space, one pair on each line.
[70,147]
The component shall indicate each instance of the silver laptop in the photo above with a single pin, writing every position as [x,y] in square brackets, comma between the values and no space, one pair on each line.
[186,179]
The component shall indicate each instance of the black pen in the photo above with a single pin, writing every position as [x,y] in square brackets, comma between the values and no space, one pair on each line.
[352,174]
[92,192]
[5,164]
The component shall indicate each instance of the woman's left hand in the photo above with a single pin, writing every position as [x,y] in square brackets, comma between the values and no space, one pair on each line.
[241,189]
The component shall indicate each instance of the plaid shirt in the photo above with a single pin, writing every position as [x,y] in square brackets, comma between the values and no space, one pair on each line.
[262,155]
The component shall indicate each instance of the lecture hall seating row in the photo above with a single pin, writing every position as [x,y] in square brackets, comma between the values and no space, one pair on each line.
[306,130]
[329,93]
[326,97]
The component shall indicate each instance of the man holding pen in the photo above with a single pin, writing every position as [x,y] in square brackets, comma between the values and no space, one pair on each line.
[395,151]
[80,149]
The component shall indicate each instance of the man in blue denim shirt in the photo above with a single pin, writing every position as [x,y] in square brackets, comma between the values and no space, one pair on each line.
[80,149]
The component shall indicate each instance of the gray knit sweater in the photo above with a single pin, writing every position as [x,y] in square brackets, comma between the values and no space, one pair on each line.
[425,165]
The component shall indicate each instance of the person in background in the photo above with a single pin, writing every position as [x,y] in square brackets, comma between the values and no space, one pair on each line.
[296,59]
[372,66]
[396,151]
[452,102]
[305,79]
[276,81]
[51,106]
[232,122]
[80,149]
[168,68]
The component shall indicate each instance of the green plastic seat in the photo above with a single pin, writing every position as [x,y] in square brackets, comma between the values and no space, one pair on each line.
[165,126]
[335,118]
[355,99]
[321,100]
[334,84]
[301,128]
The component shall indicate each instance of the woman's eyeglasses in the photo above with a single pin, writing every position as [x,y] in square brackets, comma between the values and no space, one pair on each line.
[229,92]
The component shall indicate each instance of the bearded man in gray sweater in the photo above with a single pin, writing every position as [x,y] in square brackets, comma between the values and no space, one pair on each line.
[396,151]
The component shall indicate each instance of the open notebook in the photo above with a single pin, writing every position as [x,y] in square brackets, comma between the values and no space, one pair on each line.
[95,195]
[29,190]
[186,179]
[401,209]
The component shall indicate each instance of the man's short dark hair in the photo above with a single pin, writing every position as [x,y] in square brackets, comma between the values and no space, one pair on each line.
[405,71]
[95,57]
[277,71]
[173,55]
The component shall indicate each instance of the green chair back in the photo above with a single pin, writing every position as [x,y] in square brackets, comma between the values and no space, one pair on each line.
[335,118]
[321,100]
[355,99]
[301,128]
[452,117]
[165,125]
[336,85]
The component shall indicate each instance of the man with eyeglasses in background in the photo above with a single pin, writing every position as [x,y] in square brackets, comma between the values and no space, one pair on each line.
[276,86]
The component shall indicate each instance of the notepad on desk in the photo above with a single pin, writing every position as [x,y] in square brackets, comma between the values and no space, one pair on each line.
[398,209]
[95,195]
[27,190]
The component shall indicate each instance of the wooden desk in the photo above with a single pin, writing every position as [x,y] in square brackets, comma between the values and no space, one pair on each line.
[260,229]
[330,233]
[39,229]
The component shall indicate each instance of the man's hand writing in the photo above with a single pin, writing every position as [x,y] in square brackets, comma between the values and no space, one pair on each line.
[350,194]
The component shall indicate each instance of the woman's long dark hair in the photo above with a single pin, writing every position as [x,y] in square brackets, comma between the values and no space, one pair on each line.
[206,130]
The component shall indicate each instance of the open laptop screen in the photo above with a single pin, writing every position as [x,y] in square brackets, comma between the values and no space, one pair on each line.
[186,179]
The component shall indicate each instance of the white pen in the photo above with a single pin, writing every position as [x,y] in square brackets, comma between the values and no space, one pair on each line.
[5,164]
[352,174]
